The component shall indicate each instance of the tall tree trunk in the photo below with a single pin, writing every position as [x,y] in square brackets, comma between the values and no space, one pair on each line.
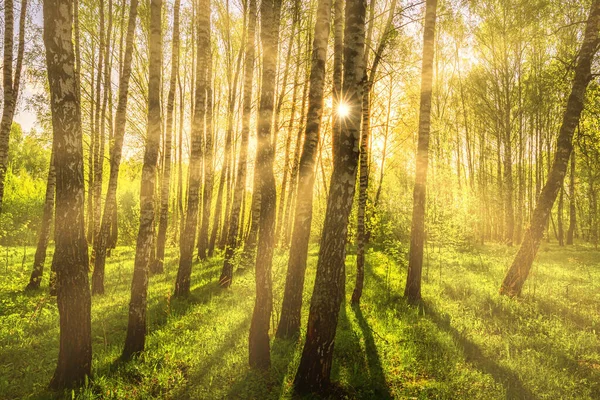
[90,172]
[518,231]
[136,327]
[228,194]
[165,188]
[289,324]
[228,166]
[110,203]
[509,215]
[572,209]
[11,84]
[44,237]
[284,80]
[113,229]
[112,242]
[258,341]
[519,270]
[182,285]
[315,365]
[296,164]
[218,212]
[362,234]
[250,244]
[499,225]
[99,167]
[417,237]
[71,253]
[338,59]
[99,124]
[288,138]
[179,229]
[559,218]
[240,185]
[208,168]
[232,78]
[286,194]
[384,150]
[77,38]
[363,187]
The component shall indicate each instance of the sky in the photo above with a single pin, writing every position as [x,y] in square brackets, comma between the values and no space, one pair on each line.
[25,117]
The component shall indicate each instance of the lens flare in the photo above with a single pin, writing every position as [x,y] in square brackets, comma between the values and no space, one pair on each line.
[343,110]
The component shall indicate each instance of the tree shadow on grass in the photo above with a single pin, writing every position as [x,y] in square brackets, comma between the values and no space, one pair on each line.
[359,364]
[202,372]
[161,310]
[569,315]
[473,354]
[255,384]
[376,372]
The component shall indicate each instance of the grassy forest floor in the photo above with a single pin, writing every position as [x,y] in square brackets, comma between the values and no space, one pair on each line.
[465,342]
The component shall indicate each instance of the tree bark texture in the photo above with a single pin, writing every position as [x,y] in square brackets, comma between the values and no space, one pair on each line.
[263,305]
[364,168]
[208,167]
[289,324]
[315,365]
[519,270]
[11,84]
[182,285]
[136,327]
[108,224]
[240,185]
[44,237]
[71,251]
[166,179]
[572,209]
[417,237]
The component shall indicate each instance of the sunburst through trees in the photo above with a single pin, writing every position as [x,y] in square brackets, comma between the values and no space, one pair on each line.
[325,190]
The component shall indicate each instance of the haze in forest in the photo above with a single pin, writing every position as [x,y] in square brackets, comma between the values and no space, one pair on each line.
[362,199]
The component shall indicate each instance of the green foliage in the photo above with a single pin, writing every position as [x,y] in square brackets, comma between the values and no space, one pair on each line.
[25,188]
[128,201]
[22,206]
[128,216]
[29,153]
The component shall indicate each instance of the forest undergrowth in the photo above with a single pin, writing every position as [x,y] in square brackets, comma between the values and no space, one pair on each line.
[464,340]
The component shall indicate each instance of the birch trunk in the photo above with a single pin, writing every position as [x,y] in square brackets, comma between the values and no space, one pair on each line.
[110,204]
[208,169]
[44,237]
[71,252]
[415,264]
[99,124]
[572,209]
[519,270]
[240,186]
[362,234]
[233,82]
[136,327]
[182,285]
[315,365]
[166,180]
[11,84]
[289,324]
[259,352]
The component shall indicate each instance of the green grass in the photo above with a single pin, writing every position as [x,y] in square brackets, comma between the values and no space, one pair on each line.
[465,342]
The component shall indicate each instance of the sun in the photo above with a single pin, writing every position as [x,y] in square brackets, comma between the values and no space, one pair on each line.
[343,110]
